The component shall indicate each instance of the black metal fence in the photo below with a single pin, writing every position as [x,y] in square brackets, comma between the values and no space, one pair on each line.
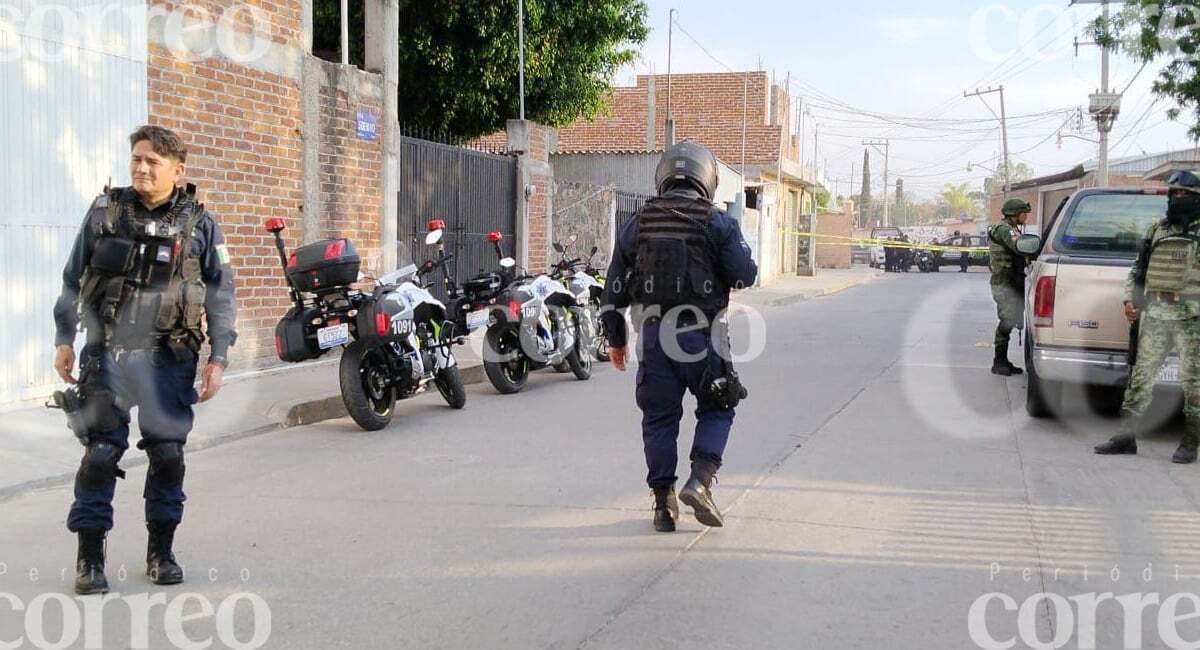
[474,192]
[628,203]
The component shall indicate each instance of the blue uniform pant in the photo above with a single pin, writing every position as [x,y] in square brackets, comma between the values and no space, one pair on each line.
[162,389]
[661,382]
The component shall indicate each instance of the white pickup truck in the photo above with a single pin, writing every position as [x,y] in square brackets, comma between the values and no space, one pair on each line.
[1076,330]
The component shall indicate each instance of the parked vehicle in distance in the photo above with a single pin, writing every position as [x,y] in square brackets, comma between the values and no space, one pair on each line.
[860,254]
[878,258]
[951,254]
[1076,331]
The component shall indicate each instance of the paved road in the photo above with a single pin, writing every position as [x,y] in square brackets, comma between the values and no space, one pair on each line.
[878,481]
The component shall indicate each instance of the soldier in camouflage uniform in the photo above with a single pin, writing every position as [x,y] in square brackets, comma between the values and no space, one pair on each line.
[1008,280]
[1163,290]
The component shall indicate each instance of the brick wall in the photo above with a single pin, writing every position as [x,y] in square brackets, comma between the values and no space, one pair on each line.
[705,107]
[241,126]
[244,130]
[350,167]
[833,253]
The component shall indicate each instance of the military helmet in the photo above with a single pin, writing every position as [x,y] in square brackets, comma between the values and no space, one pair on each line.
[690,162]
[1184,180]
[1014,207]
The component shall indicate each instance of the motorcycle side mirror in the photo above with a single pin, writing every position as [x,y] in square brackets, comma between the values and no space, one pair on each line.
[275,224]
[559,247]
[593,253]
[507,263]
[433,237]
[1029,244]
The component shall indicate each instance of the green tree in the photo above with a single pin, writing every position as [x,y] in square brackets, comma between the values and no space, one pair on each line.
[958,198]
[1167,30]
[459,61]
[1017,172]
[865,206]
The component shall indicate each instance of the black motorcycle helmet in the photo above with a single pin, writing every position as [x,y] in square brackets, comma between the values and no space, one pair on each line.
[687,162]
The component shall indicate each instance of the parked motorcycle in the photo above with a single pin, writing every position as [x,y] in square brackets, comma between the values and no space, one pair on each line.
[397,337]
[926,262]
[588,285]
[533,322]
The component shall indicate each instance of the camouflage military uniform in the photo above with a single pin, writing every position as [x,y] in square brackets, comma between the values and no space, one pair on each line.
[1170,321]
[1008,282]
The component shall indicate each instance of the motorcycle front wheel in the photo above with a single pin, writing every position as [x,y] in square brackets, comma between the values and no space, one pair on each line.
[366,388]
[450,384]
[579,359]
[508,375]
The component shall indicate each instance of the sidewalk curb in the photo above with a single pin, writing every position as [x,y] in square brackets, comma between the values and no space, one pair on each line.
[297,415]
[332,407]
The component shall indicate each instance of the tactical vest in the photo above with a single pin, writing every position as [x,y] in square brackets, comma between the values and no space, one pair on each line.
[1171,257]
[143,285]
[677,261]
[1005,265]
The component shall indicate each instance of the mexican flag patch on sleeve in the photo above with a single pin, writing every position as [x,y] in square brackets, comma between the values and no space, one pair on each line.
[223,254]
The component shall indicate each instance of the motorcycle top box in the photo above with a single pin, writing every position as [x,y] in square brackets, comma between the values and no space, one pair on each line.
[323,266]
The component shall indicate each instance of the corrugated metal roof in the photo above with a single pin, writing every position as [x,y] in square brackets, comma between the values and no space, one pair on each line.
[1138,165]
[603,152]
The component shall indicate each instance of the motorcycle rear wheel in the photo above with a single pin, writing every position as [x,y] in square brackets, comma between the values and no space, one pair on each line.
[369,398]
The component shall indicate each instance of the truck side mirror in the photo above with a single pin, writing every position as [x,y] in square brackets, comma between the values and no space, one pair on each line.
[1029,245]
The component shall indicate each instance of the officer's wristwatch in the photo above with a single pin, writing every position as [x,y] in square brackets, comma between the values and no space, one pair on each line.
[220,361]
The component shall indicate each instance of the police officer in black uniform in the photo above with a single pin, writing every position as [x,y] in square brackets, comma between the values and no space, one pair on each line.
[675,262]
[149,260]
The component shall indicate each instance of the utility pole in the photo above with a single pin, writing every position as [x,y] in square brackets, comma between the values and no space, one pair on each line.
[670,130]
[1003,117]
[1105,105]
[887,156]
[345,32]
[521,52]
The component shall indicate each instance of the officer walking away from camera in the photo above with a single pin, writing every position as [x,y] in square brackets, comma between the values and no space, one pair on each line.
[675,262]
[1008,280]
[1163,291]
[147,262]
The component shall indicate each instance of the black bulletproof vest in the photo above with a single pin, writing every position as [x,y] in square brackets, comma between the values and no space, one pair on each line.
[677,260]
[144,280]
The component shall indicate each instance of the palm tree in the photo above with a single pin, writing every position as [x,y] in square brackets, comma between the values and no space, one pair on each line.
[958,198]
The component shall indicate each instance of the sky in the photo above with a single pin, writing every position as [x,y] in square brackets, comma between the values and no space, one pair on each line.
[898,70]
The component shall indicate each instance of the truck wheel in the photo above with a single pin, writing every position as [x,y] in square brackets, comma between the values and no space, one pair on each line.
[366,390]
[1043,398]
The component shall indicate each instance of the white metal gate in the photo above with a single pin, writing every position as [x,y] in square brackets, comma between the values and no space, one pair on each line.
[72,87]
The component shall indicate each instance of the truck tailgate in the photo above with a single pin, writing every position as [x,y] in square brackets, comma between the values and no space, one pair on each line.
[1088,311]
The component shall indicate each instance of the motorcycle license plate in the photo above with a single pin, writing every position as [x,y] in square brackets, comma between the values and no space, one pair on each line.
[328,337]
[477,319]
[1170,371]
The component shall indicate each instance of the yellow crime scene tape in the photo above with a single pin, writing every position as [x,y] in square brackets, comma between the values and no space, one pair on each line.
[866,241]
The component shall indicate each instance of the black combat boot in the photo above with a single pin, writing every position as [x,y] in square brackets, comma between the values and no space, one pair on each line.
[89,563]
[1125,442]
[1187,446]
[666,509]
[697,493]
[1001,365]
[160,560]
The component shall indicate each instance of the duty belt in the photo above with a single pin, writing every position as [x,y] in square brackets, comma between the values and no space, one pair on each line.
[1173,297]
